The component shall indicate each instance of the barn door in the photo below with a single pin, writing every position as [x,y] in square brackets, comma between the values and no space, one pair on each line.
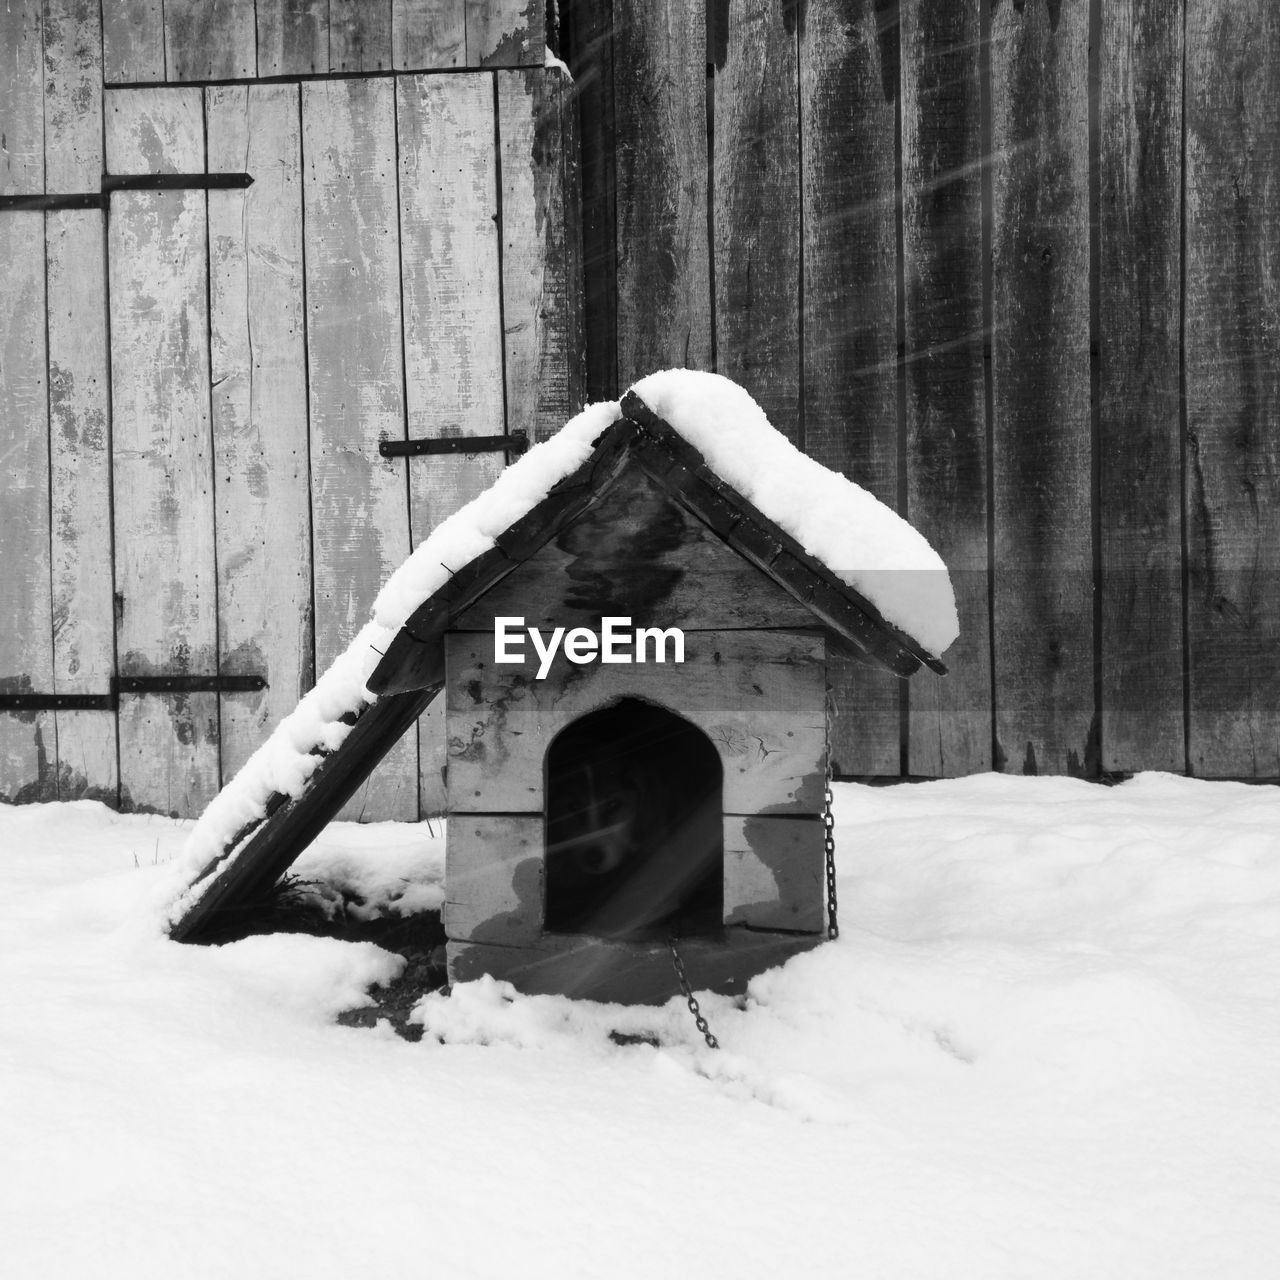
[397,269]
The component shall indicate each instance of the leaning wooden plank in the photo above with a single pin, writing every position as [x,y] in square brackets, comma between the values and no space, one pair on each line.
[260,439]
[544,357]
[247,870]
[452,314]
[359,35]
[359,501]
[1139,318]
[428,34]
[757,209]
[1232,328]
[28,751]
[946,457]
[1043,589]
[293,37]
[79,412]
[133,41]
[161,455]
[506,33]
[210,40]
[847,84]
[663,263]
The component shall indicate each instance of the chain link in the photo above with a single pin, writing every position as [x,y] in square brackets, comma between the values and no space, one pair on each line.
[703,1026]
[829,841]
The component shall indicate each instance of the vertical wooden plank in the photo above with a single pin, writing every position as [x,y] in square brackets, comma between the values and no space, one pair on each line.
[663,260]
[848,85]
[79,460]
[28,750]
[757,208]
[506,33]
[428,33]
[946,461]
[161,455]
[260,440]
[21,98]
[1232,329]
[1139,318]
[293,37]
[359,500]
[133,41]
[1043,607]
[209,39]
[359,35]
[452,315]
[541,291]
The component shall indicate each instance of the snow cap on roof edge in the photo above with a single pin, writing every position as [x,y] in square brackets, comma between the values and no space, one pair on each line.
[862,541]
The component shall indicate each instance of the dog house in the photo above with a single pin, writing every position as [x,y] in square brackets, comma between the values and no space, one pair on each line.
[635,678]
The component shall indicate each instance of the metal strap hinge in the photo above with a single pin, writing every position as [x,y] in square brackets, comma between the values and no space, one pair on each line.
[133,685]
[516,442]
[51,203]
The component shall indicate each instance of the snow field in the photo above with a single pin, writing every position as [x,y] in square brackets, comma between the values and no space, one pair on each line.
[1046,1044]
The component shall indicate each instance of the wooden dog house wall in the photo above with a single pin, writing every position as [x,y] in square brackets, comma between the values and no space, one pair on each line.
[753,682]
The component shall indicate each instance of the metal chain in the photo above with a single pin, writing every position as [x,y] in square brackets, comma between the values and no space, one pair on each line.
[829,840]
[703,1026]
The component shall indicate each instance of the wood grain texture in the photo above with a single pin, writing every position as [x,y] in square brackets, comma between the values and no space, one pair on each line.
[79,408]
[1232,328]
[1043,608]
[428,33]
[133,41]
[541,264]
[210,40]
[847,83]
[506,33]
[758,695]
[1140,447]
[494,878]
[451,283]
[28,749]
[80,501]
[359,500]
[586,968]
[359,35]
[946,472]
[293,37]
[21,98]
[756,171]
[161,453]
[637,554]
[663,261]
[73,95]
[774,875]
[260,436]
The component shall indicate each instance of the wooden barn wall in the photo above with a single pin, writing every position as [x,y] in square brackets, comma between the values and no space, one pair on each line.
[1013,266]
[194,383]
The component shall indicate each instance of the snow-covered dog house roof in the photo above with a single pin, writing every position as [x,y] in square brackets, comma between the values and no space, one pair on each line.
[681,507]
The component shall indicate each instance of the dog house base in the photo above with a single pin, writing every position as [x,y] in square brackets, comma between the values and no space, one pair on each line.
[627,972]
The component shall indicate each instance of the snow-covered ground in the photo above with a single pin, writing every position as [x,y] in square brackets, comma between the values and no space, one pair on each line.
[1046,1044]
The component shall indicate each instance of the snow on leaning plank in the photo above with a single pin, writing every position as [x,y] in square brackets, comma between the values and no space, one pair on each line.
[1046,1045]
[857,537]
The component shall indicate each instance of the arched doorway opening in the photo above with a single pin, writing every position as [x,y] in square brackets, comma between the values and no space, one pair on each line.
[634,825]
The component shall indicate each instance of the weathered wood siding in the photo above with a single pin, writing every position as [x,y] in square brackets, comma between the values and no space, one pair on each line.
[944,245]
[193,390]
